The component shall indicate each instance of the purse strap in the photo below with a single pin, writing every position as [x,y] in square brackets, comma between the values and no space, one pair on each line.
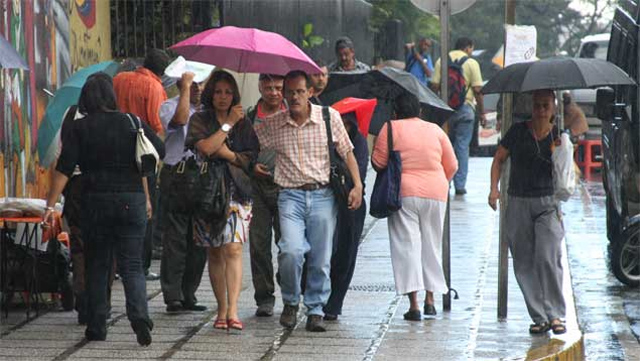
[389,136]
[133,124]
[327,122]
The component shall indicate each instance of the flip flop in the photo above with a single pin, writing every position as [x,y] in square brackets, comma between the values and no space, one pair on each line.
[538,328]
[558,328]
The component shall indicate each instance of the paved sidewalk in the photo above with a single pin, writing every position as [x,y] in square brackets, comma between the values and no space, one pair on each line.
[371,326]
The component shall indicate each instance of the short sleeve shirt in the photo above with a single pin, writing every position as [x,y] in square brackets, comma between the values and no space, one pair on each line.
[174,135]
[531,167]
[470,71]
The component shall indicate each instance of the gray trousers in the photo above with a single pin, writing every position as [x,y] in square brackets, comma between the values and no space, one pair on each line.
[182,262]
[535,232]
[264,217]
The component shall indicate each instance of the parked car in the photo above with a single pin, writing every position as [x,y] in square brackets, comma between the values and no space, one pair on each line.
[619,111]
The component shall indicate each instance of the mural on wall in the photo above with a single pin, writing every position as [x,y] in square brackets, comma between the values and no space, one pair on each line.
[43,32]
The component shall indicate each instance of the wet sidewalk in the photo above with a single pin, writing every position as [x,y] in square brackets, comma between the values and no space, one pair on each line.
[371,326]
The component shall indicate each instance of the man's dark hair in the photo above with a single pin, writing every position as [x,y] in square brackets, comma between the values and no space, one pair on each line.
[156,61]
[206,98]
[270,77]
[320,63]
[406,106]
[344,42]
[463,43]
[97,95]
[297,74]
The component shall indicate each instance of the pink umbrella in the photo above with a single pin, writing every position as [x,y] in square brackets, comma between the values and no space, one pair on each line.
[246,50]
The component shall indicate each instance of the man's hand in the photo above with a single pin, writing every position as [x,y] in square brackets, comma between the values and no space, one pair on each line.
[149,209]
[417,56]
[261,170]
[186,80]
[493,199]
[355,197]
[483,120]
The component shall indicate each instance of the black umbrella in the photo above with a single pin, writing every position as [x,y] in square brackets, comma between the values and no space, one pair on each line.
[343,85]
[9,57]
[388,83]
[557,73]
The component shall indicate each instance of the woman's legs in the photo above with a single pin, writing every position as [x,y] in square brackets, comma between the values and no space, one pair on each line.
[233,276]
[217,267]
[413,301]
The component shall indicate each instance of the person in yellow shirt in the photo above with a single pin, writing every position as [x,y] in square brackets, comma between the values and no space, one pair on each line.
[461,123]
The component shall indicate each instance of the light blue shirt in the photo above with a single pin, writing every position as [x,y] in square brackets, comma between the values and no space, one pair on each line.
[416,68]
[174,135]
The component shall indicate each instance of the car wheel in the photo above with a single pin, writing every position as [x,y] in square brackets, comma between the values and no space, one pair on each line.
[625,256]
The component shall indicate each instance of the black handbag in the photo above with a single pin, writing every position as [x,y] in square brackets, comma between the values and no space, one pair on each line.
[385,197]
[339,175]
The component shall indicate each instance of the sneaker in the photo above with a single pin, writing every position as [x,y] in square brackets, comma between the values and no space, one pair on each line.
[264,311]
[430,310]
[314,324]
[289,315]
[150,276]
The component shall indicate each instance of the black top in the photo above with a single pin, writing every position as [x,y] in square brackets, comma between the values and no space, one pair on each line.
[104,145]
[531,167]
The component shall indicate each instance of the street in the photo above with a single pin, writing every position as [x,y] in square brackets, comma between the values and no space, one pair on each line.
[371,327]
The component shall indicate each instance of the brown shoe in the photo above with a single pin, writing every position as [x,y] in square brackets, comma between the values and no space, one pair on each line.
[289,315]
[314,323]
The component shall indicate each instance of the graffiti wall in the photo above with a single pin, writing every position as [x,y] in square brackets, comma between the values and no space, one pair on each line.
[54,37]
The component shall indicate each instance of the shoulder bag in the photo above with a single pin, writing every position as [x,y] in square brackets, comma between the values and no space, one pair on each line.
[339,175]
[385,197]
[147,157]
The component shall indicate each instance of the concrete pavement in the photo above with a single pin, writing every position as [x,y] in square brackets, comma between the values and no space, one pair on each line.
[371,326]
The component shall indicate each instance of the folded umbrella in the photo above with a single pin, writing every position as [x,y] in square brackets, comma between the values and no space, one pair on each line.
[9,57]
[363,108]
[67,95]
[246,50]
[557,73]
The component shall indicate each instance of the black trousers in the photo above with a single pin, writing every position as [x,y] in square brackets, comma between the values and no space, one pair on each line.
[346,241]
[182,262]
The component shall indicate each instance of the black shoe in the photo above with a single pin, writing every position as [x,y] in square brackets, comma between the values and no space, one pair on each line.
[150,276]
[174,306]
[95,336]
[430,310]
[143,332]
[193,307]
[330,317]
[413,315]
[461,192]
[289,315]
[264,311]
[314,324]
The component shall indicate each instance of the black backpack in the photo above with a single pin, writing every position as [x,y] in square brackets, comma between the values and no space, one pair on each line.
[457,85]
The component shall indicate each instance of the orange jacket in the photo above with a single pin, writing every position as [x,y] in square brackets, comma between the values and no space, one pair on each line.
[140,92]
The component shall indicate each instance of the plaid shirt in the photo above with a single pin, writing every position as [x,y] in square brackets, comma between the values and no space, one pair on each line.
[302,151]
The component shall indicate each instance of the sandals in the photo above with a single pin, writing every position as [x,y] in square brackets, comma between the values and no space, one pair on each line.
[538,328]
[558,328]
[220,324]
[234,324]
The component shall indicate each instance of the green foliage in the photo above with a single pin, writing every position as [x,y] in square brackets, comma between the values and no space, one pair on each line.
[309,40]
[415,22]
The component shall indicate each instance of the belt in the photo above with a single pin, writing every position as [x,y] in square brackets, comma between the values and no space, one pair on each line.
[311,186]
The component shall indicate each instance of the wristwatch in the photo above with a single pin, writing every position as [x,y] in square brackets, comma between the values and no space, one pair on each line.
[226,127]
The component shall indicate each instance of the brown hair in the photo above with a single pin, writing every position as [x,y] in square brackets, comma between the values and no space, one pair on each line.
[206,98]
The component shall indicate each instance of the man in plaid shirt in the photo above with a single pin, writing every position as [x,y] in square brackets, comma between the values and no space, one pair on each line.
[306,203]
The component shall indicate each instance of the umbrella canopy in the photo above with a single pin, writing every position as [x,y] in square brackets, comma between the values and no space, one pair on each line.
[246,50]
[67,95]
[388,83]
[557,73]
[9,57]
[363,108]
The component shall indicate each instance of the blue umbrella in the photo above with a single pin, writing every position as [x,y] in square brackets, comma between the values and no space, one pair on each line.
[66,96]
[9,57]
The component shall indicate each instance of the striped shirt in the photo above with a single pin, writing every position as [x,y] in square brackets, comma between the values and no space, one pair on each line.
[302,151]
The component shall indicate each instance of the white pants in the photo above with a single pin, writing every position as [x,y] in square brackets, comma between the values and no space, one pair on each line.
[415,232]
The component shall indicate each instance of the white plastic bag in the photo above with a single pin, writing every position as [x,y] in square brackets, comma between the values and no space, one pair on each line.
[147,157]
[564,176]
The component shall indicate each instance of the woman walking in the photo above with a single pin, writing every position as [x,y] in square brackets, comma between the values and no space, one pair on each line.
[114,205]
[415,231]
[533,222]
[224,137]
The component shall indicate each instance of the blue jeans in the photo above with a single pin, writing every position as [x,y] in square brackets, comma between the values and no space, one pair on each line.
[460,133]
[113,225]
[307,225]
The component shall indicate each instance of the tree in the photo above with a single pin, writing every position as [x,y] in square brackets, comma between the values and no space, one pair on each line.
[415,22]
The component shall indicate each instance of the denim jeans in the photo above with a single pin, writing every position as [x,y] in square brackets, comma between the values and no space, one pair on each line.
[113,224]
[307,223]
[460,133]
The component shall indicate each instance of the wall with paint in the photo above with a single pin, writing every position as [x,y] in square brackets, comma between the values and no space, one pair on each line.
[55,37]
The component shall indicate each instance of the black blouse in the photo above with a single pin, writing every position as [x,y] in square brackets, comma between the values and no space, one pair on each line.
[103,145]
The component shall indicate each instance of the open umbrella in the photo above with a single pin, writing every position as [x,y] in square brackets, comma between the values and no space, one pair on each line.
[9,57]
[557,73]
[67,95]
[363,108]
[246,50]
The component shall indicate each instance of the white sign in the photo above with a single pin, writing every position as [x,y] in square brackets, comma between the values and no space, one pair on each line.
[180,66]
[521,44]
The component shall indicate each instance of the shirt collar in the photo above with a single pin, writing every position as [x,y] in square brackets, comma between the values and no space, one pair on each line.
[314,117]
[149,73]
